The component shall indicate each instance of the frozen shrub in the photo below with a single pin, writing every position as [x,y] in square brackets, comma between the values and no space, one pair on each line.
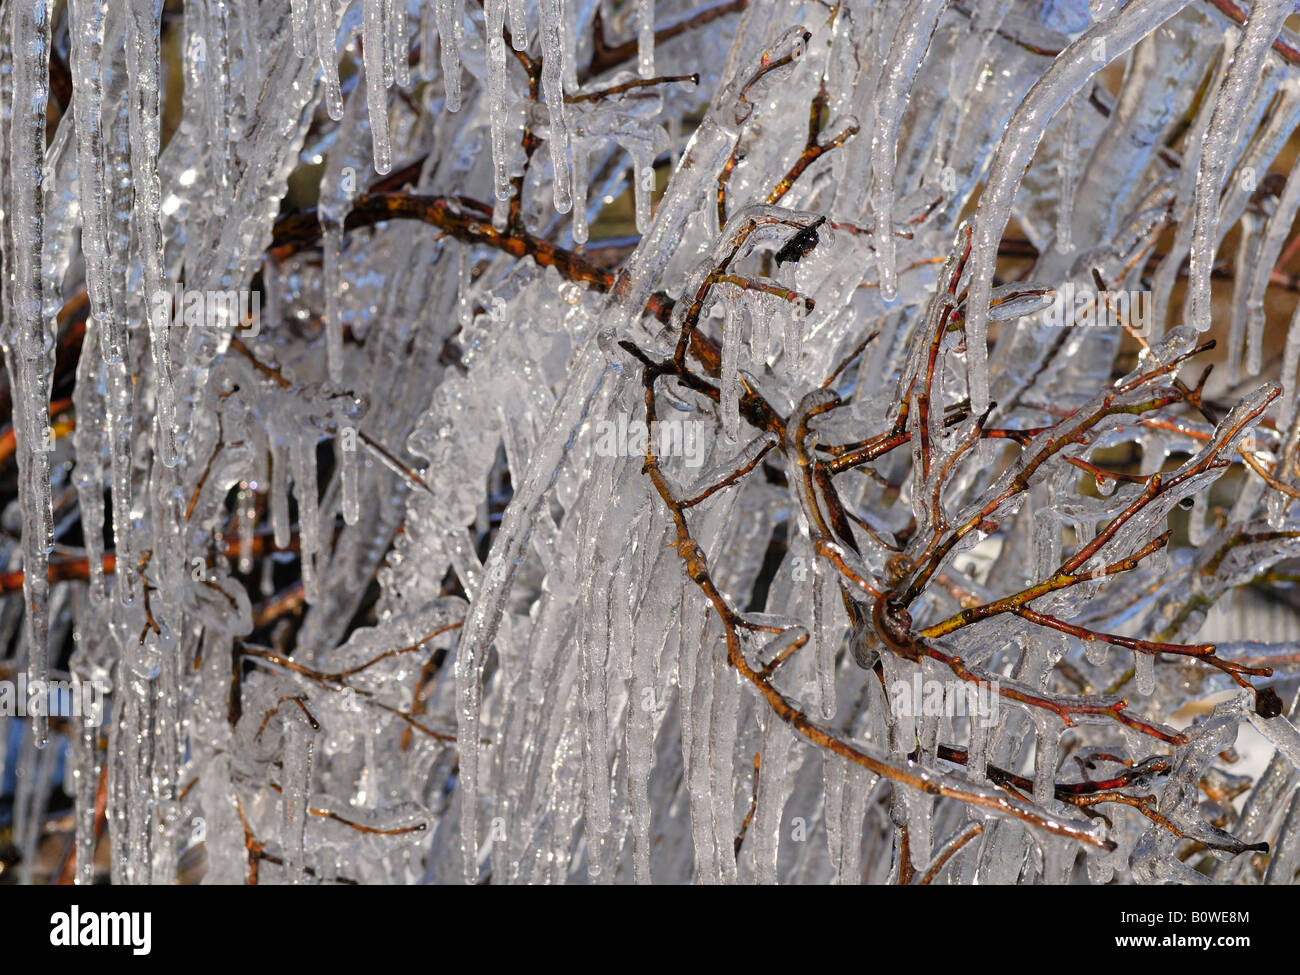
[591,441]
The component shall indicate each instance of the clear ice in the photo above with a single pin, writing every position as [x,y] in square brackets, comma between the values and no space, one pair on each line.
[543,441]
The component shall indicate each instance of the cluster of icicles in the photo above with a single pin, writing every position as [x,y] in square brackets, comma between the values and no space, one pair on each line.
[463,646]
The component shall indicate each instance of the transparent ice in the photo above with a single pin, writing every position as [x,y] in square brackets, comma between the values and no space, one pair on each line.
[372,598]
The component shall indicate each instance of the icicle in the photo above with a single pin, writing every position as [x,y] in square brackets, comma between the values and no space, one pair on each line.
[1197,530]
[1262,27]
[794,336]
[271,288]
[581,176]
[859,788]
[450,13]
[89,474]
[772,792]
[332,245]
[569,44]
[373,52]
[911,40]
[1248,244]
[639,736]
[594,658]
[518,24]
[645,38]
[977,754]
[498,113]
[927,738]
[1047,755]
[760,332]
[643,181]
[279,493]
[302,450]
[722,750]
[85,744]
[1276,232]
[250,42]
[87,41]
[118,420]
[1067,166]
[349,478]
[30,380]
[400,43]
[140,797]
[298,12]
[386,19]
[588,388]
[833,774]
[299,746]
[211,50]
[553,89]
[730,370]
[826,645]
[1144,673]
[246,506]
[142,59]
[1170,267]
[329,60]
[464,307]
[428,39]
[1068,73]
[917,814]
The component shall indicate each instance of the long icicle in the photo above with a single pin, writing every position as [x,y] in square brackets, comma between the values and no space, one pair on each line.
[1266,17]
[553,89]
[1067,74]
[910,43]
[31,72]
[372,52]
[142,60]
